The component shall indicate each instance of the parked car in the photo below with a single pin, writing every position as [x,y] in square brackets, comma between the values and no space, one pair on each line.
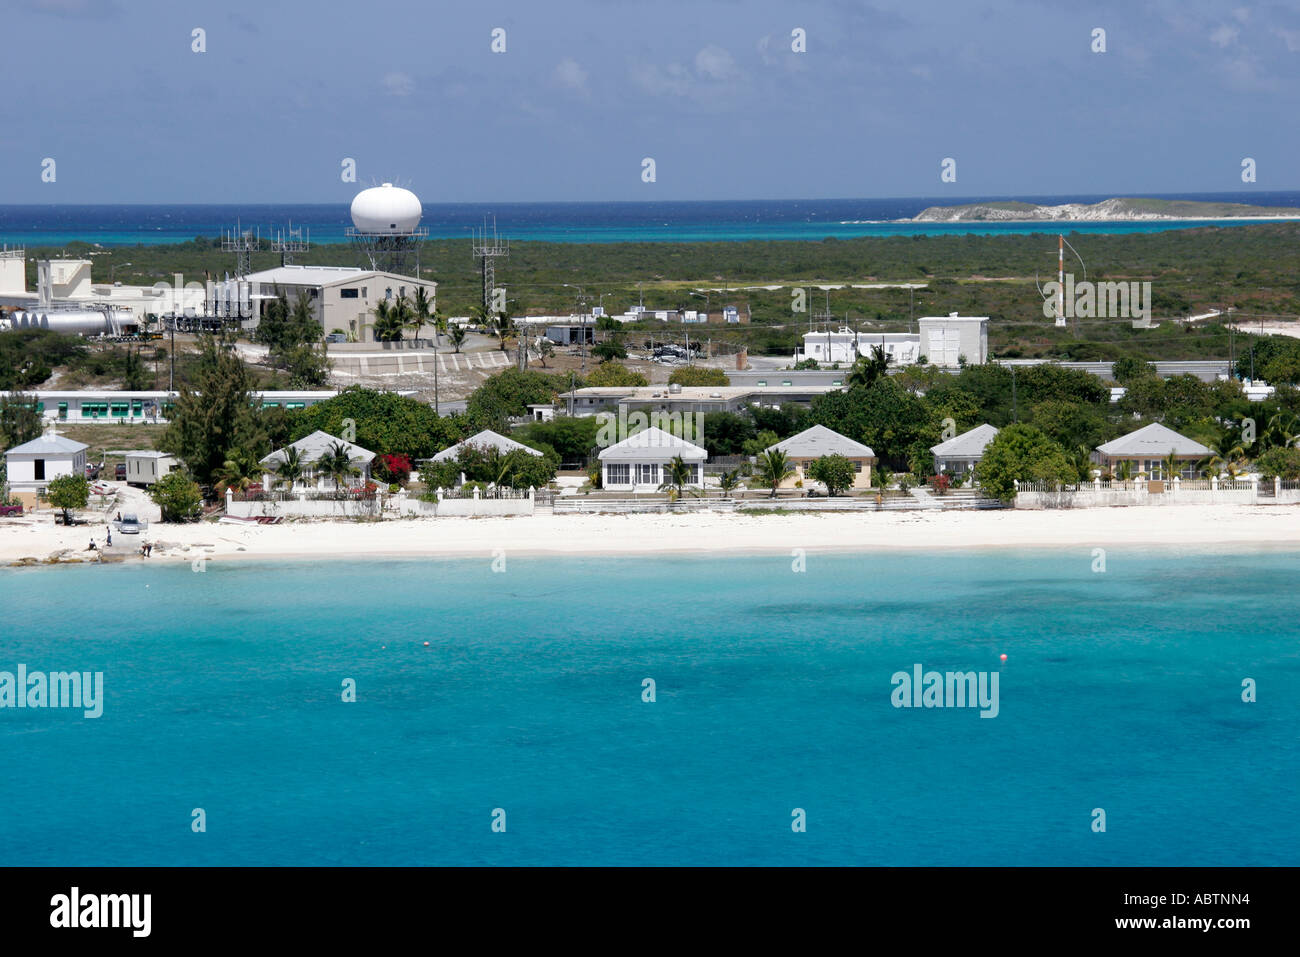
[10,510]
[336,337]
[92,471]
[119,471]
[130,524]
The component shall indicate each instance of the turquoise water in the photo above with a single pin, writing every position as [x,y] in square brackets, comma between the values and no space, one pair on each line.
[1121,690]
[582,222]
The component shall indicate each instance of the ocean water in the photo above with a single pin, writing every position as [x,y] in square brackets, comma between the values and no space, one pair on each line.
[1121,691]
[813,220]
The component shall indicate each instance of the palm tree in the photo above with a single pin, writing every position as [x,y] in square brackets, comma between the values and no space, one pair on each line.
[240,471]
[1170,464]
[1081,459]
[457,335]
[389,322]
[677,475]
[728,482]
[1282,431]
[421,312]
[867,369]
[1123,471]
[336,464]
[773,469]
[502,327]
[291,469]
[1224,453]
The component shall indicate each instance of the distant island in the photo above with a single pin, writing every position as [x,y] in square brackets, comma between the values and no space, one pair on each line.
[1109,209]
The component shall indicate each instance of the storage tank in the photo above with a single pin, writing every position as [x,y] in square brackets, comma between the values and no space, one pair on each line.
[76,322]
[386,209]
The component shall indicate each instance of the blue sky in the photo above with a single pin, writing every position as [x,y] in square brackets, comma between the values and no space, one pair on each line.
[111,90]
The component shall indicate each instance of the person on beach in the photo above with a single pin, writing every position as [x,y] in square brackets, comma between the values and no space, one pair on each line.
[110,538]
[91,546]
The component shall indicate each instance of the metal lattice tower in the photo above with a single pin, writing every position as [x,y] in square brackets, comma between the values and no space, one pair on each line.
[243,243]
[487,250]
[286,243]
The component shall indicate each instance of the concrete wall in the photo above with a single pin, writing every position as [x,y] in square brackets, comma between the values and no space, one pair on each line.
[467,507]
[318,508]
[1102,495]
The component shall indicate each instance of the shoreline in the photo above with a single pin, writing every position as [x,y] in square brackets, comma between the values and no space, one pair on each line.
[1220,527]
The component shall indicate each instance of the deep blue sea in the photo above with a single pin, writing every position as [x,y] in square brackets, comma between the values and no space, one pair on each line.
[1121,691]
[814,220]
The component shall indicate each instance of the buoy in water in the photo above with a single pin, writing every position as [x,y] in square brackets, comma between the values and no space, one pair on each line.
[426,644]
[1004,657]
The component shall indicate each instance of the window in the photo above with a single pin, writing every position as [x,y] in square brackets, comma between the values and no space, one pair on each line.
[388,293]
[857,466]
[785,381]
[121,409]
[137,406]
[348,293]
[837,382]
[63,410]
[617,474]
[295,405]
[762,382]
[647,474]
[315,293]
[270,405]
[364,294]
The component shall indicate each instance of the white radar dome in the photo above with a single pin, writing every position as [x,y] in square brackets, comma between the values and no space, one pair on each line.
[386,209]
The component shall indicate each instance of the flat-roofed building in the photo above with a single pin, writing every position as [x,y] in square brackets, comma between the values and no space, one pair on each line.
[343,298]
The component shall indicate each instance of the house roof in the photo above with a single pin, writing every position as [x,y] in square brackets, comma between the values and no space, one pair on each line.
[50,442]
[312,447]
[1153,441]
[485,439]
[968,445]
[653,445]
[818,440]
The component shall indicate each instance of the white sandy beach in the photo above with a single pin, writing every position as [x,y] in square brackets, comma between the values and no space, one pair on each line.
[1231,526]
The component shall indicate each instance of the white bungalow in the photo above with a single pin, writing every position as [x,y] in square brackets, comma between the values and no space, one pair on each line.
[639,463]
[962,452]
[311,449]
[1146,450]
[487,439]
[31,467]
[808,446]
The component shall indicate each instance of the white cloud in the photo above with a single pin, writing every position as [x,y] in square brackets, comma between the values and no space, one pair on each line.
[1224,35]
[672,78]
[1242,14]
[570,75]
[399,84]
[715,63]
[1291,38]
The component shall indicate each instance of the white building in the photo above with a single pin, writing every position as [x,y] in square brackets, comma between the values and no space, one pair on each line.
[31,467]
[146,406]
[485,440]
[311,449]
[342,297]
[944,341]
[962,453]
[640,462]
[145,467]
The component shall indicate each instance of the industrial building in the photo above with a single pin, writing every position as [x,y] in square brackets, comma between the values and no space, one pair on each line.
[944,341]
[343,298]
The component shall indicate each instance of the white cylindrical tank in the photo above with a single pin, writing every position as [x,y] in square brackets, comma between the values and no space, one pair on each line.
[386,209]
[84,322]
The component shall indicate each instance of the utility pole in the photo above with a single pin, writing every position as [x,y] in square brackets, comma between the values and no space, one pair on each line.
[435,375]
[1015,414]
[171,373]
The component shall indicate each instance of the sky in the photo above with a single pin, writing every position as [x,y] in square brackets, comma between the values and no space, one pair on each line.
[285,91]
